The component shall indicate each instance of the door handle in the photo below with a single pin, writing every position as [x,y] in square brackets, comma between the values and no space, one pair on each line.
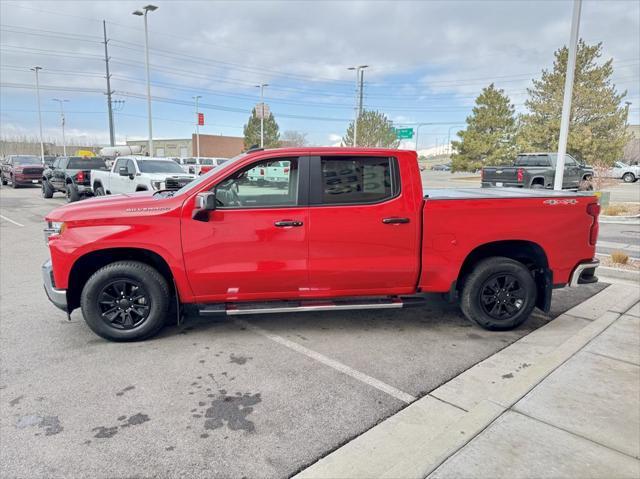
[395,221]
[285,223]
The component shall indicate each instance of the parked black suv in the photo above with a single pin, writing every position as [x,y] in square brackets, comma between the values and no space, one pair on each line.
[72,176]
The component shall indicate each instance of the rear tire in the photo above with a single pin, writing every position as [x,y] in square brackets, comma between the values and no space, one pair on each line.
[47,189]
[537,186]
[629,178]
[124,324]
[72,193]
[499,294]
[4,181]
[98,191]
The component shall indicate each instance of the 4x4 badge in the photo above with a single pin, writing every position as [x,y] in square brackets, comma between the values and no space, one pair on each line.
[560,202]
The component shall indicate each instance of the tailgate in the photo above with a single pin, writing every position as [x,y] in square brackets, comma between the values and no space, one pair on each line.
[507,174]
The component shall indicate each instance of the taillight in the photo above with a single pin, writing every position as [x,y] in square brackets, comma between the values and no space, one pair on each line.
[593,210]
[481,174]
[261,172]
[286,170]
[520,175]
[80,176]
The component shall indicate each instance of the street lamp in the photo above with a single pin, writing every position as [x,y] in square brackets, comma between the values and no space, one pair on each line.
[358,107]
[64,141]
[262,86]
[36,70]
[196,98]
[139,13]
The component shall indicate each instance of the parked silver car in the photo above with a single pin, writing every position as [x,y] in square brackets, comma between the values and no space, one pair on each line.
[628,173]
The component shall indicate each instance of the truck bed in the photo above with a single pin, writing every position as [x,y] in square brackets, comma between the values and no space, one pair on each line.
[497,193]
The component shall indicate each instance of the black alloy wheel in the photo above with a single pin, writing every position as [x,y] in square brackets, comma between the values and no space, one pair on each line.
[124,304]
[502,297]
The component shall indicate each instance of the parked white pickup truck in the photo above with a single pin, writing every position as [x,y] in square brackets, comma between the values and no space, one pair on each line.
[129,174]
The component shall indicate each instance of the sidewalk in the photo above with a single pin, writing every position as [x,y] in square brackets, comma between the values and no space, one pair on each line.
[563,401]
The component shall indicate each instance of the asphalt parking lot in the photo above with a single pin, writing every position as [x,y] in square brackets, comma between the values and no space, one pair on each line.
[263,397]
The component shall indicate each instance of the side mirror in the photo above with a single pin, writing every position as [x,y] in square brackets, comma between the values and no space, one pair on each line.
[204,203]
[122,171]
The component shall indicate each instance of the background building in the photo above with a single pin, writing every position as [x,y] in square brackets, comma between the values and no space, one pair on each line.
[210,145]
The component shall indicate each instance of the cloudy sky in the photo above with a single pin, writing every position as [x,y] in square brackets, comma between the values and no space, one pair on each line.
[428,60]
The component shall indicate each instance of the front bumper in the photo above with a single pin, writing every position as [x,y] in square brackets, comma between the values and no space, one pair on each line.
[584,273]
[57,296]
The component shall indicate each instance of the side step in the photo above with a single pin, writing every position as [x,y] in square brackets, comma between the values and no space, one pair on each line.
[270,307]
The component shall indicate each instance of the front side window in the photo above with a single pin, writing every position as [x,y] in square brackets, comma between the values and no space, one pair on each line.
[261,184]
[356,180]
[121,163]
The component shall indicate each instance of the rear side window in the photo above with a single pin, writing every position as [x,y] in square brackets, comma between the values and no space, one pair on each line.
[353,180]
[533,160]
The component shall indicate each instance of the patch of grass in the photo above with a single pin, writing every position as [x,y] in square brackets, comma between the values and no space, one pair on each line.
[618,257]
[614,210]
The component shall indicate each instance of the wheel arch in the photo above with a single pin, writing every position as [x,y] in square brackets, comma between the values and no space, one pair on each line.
[529,253]
[91,262]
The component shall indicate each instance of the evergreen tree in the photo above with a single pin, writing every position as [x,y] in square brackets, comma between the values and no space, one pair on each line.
[374,130]
[489,138]
[252,131]
[597,122]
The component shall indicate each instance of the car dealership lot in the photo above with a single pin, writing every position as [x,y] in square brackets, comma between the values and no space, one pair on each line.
[262,397]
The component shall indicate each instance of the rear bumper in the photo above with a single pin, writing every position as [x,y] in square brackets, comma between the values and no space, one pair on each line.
[492,184]
[584,273]
[57,296]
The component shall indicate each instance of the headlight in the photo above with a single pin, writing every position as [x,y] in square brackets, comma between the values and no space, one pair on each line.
[158,185]
[53,228]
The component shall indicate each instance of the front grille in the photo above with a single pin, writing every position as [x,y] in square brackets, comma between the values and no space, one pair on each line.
[176,183]
[31,171]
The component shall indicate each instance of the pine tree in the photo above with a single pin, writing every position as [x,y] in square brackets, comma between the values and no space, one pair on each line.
[597,121]
[252,131]
[489,138]
[374,130]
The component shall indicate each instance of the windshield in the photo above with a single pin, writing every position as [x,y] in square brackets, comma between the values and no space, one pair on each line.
[86,164]
[26,160]
[203,178]
[159,166]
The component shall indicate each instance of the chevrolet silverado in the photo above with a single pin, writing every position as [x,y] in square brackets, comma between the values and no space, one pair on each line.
[352,229]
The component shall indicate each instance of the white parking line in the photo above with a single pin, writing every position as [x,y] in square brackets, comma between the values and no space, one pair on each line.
[10,220]
[332,363]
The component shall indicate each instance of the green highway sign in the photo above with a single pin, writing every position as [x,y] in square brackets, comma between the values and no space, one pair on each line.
[404,133]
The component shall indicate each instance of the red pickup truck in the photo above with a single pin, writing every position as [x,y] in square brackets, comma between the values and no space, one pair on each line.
[351,229]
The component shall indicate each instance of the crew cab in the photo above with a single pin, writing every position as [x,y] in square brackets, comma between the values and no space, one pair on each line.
[538,170]
[129,174]
[352,229]
[71,176]
[21,170]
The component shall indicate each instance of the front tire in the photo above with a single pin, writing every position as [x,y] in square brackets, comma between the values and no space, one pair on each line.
[629,178]
[14,185]
[125,301]
[47,189]
[499,294]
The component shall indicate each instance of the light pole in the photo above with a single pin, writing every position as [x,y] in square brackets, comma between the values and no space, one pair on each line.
[358,106]
[37,69]
[568,90]
[196,98]
[139,13]
[262,86]
[64,140]
[449,136]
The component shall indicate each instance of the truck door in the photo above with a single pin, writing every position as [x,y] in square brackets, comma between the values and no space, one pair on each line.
[58,174]
[255,244]
[364,225]
[571,173]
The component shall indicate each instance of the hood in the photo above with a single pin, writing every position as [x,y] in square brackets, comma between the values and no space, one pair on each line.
[164,176]
[113,206]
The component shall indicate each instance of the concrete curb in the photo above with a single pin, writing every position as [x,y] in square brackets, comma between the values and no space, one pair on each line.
[619,220]
[617,273]
[418,439]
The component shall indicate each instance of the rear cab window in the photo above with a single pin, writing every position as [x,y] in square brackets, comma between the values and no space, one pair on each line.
[533,160]
[342,180]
